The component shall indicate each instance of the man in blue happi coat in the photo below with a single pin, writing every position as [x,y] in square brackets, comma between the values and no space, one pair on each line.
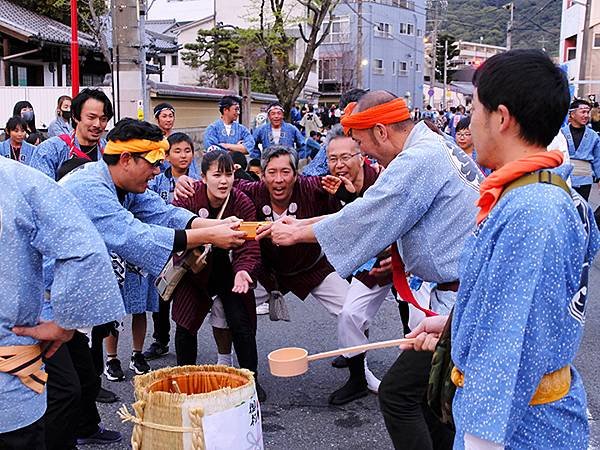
[277,132]
[518,319]
[584,147]
[226,132]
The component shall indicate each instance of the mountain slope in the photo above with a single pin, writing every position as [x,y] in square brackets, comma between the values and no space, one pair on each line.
[536,22]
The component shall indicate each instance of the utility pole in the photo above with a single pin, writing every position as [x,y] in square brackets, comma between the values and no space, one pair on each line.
[585,47]
[509,27]
[359,44]
[127,64]
[434,5]
[144,114]
[445,101]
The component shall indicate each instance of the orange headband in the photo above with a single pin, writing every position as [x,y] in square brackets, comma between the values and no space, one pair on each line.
[391,112]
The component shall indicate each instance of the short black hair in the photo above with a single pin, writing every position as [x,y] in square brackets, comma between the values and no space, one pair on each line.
[96,94]
[15,122]
[279,150]
[161,106]
[178,137]
[254,162]
[353,95]
[240,159]
[128,129]
[221,157]
[314,133]
[463,124]
[533,89]
[579,102]
[33,137]
[228,101]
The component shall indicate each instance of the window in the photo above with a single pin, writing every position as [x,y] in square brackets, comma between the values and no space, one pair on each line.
[571,53]
[328,69]
[174,60]
[383,30]
[407,28]
[394,67]
[418,67]
[570,48]
[419,32]
[378,66]
[339,32]
[403,69]
[596,40]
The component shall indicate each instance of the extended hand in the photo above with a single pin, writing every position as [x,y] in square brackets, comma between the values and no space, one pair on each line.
[241,282]
[227,235]
[426,335]
[46,332]
[283,232]
[184,187]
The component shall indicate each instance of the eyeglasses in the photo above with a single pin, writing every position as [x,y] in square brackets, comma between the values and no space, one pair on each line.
[154,164]
[463,135]
[343,158]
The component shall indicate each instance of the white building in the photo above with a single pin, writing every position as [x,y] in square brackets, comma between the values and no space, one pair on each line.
[193,15]
[571,41]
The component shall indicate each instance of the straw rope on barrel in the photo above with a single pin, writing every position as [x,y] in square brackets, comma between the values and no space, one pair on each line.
[173,404]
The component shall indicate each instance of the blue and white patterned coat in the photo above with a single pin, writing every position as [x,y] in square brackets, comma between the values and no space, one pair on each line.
[216,134]
[519,315]
[27,151]
[51,153]
[39,218]
[588,150]
[141,230]
[290,137]
[424,200]
[59,126]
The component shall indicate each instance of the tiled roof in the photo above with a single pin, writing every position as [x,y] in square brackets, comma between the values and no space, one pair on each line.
[158,37]
[37,27]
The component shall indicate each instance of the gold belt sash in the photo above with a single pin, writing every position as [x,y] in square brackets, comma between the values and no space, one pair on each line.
[25,362]
[553,386]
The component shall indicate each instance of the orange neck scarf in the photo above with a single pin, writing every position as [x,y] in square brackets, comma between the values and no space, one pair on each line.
[492,187]
[391,112]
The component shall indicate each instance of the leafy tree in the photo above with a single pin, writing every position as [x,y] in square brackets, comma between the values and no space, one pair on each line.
[60,10]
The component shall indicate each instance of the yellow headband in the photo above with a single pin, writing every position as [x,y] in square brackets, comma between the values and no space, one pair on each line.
[155,149]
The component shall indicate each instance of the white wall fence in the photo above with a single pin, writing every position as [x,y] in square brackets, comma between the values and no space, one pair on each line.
[43,100]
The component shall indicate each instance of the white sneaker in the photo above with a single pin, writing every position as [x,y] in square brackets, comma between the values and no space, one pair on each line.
[372,381]
[262,309]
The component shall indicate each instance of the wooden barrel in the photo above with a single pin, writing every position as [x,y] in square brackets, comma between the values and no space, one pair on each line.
[195,408]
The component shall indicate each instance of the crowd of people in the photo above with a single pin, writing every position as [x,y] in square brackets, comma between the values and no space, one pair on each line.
[478,224]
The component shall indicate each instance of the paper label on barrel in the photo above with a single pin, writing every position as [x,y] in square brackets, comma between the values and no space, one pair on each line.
[235,428]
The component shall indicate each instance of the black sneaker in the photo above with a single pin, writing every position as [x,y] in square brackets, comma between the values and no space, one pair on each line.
[139,364]
[113,371]
[102,436]
[106,396]
[155,351]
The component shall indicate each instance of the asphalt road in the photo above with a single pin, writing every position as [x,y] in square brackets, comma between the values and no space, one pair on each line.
[296,414]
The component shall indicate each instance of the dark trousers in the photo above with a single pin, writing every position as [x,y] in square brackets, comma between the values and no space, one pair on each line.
[30,437]
[162,323]
[243,330]
[584,190]
[402,398]
[73,385]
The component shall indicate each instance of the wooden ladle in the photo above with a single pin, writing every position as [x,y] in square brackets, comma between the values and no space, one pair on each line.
[293,361]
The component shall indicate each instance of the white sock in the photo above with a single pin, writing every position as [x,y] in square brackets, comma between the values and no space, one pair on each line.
[372,381]
[225,360]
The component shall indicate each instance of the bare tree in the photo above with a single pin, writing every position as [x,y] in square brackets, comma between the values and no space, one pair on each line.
[98,26]
[286,79]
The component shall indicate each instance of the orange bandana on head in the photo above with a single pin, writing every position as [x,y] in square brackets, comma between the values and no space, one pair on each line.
[492,187]
[391,112]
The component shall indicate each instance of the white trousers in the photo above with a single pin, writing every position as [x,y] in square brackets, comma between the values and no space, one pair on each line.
[331,293]
[361,305]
